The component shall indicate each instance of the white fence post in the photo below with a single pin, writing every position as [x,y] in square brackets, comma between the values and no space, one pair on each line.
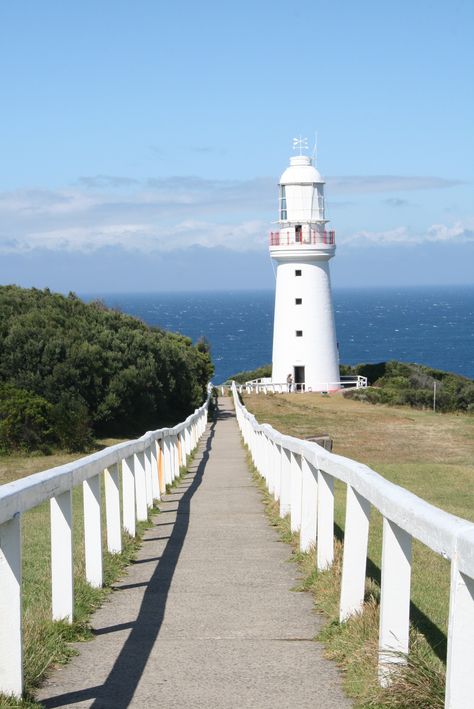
[62,595]
[112,509]
[167,460]
[309,506]
[325,546]
[356,535]
[179,450]
[394,599]
[140,487]
[296,490]
[285,484]
[155,482]
[277,455]
[148,474]
[92,531]
[128,496]
[11,648]
[258,452]
[174,448]
[269,464]
[460,660]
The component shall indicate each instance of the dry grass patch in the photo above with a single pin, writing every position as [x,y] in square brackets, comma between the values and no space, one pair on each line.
[388,439]
[433,456]
[13,467]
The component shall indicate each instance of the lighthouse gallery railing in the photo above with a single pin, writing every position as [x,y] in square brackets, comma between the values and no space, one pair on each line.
[147,464]
[289,237]
[301,476]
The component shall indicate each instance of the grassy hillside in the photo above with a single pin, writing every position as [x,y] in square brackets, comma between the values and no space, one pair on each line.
[430,454]
[245,376]
[398,383]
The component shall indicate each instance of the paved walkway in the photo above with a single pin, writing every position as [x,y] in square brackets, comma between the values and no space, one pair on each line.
[205,616]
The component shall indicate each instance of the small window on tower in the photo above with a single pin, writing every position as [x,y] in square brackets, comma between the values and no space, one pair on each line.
[283,212]
[298,272]
[298,301]
[299,333]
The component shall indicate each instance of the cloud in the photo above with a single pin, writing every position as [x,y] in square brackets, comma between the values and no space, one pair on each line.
[386,183]
[396,202]
[244,236]
[106,181]
[155,215]
[459,233]
[164,214]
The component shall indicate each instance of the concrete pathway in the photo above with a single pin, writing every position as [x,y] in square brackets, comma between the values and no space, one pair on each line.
[205,616]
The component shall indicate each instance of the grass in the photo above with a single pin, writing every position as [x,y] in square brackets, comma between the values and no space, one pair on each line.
[47,643]
[429,454]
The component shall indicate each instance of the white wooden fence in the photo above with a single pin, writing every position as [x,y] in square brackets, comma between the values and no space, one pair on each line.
[301,476]
[147,464]
[264,385]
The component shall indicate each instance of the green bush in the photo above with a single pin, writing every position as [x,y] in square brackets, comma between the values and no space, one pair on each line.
[401,383]
[71,425]
[242,377]
[101,371]
[25,420]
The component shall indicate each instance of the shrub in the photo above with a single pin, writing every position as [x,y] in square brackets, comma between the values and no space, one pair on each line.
[101,371]
[401,383]
[25,420]
[245,376]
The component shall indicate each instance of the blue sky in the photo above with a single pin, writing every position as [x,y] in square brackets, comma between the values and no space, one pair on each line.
[141,142]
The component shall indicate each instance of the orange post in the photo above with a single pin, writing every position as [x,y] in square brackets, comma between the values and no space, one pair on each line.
[161,477]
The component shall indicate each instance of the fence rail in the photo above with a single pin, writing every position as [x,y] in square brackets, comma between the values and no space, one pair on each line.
[147,465]
[266,386]
[301,476]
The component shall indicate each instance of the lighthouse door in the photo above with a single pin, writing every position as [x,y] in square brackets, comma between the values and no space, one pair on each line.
[298,229]
[299,378]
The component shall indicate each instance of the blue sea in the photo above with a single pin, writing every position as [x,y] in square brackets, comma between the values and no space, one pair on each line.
[432,326]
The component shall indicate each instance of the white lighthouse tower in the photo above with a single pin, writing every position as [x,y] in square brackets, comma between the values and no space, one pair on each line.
[304,334]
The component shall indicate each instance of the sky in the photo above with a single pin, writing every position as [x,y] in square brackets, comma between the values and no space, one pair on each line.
[141,142]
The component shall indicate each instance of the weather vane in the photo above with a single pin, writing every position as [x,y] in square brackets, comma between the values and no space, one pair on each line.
[300,144]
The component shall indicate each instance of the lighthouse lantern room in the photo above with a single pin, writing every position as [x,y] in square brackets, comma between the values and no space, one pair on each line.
[304,334]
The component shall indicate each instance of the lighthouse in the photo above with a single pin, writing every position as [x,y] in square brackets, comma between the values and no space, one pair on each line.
[304,333]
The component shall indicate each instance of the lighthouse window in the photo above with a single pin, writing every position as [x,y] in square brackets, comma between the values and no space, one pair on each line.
[298,301]
[282,203]
[298,272]
[299,333]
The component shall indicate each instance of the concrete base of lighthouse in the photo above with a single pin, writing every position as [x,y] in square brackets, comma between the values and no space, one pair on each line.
[304,335]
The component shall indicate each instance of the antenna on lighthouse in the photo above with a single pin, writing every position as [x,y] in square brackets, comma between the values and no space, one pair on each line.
[315,148]
[300,144]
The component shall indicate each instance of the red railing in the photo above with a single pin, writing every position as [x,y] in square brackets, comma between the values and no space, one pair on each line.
[289,238]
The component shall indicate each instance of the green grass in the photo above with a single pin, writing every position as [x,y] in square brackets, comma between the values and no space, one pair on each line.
[47,643]
[431,455]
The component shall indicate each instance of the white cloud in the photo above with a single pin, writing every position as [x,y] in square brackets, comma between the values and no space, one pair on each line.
[177,212]
[160,214]
[386,183]
[458,232]
[244,236]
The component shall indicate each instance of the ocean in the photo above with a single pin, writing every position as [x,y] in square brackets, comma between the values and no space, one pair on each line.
[432,326]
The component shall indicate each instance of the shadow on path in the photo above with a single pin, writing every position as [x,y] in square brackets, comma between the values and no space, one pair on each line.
[119,687]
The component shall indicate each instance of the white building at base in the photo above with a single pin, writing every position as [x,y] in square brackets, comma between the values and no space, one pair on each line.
[304,334]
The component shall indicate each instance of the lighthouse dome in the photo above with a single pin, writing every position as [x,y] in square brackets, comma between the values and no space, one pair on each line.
[301,171]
